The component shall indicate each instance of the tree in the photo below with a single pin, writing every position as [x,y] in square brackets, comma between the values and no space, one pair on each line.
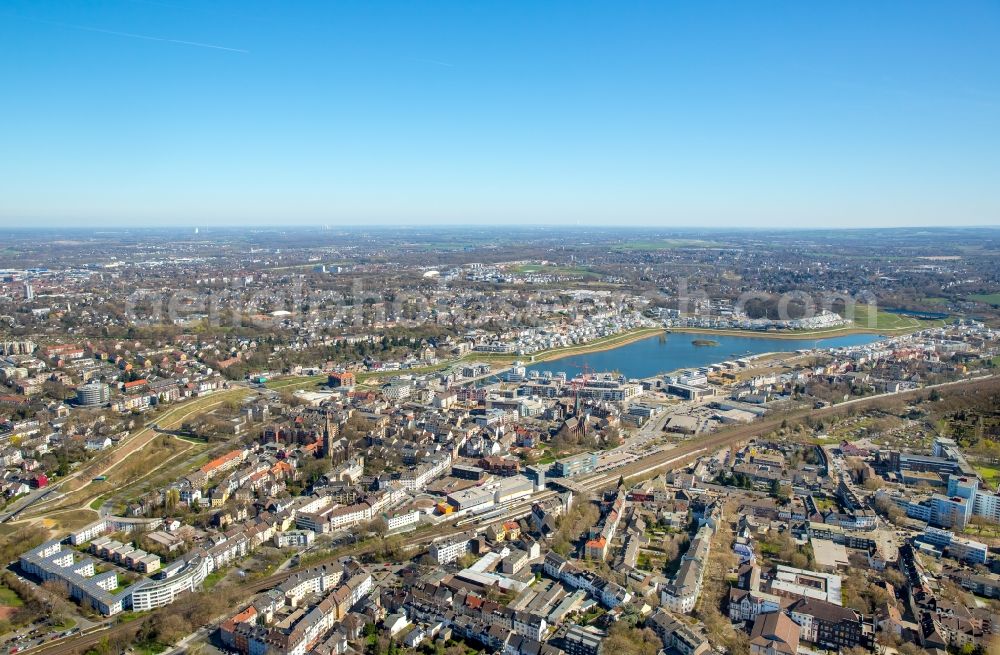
[778,491]
[171,628]
[911,648]
[56,588]
[873,483]
[894,577]
[391,547]
[24,539]
[715,593]
[855,650]
[173,497]
[891,510]
[379,527]
[57,390]
[623,639]
[980,522]
[314,469]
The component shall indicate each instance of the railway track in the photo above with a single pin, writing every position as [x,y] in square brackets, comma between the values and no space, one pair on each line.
[656,463]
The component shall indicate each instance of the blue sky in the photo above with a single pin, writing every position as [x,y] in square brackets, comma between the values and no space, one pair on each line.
[753,114]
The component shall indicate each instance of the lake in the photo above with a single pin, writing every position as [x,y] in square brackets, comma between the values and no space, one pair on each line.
[652,356]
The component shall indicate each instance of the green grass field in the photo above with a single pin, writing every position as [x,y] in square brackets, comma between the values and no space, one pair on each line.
[213,579]
[990,473]
[989,298]
[887,321]
[292,383]
[8,598]
[65,624]
[150,648]
[363,378]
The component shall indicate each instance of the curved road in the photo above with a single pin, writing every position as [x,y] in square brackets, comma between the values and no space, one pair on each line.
[673,458]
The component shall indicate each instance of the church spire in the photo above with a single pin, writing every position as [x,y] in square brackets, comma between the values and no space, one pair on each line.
[327,435]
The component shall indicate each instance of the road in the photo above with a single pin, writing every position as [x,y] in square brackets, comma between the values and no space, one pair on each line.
[736,434]
[657,462]
[24,503]
[130,446]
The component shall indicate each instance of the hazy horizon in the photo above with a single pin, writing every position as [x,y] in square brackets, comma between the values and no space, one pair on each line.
[482,226]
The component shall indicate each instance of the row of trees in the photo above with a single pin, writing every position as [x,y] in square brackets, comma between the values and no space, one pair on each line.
[715,594]
[581,516]
[34,604]
[183,617]
[624,639]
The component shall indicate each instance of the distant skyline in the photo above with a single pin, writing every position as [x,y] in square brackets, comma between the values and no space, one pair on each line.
[656,114]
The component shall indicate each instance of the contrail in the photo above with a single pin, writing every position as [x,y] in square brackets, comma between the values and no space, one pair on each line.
[157,38]
[436,62]
[130,35]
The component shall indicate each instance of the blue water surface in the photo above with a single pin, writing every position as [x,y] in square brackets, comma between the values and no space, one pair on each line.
[652,356]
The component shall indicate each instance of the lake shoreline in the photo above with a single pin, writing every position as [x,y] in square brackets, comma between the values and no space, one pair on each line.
[790,336]
[645,355]
[623,339]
